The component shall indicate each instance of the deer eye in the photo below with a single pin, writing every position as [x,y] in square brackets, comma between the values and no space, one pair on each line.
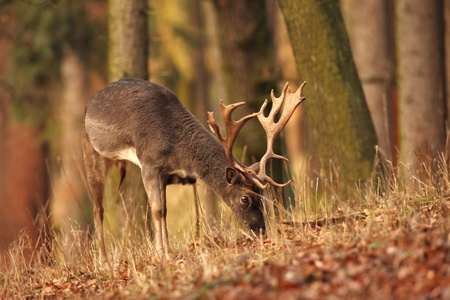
[245,200]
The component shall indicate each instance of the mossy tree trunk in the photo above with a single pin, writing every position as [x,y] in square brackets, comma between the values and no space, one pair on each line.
[342,129]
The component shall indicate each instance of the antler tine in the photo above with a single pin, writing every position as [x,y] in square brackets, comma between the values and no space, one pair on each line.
[232,129]
[214,127]
[287,103]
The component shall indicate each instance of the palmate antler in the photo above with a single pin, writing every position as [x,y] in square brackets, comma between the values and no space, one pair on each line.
[285,105]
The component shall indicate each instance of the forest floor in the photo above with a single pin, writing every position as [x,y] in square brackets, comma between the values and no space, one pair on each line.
[394,246]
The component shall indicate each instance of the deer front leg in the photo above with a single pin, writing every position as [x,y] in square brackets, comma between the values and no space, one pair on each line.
[155,187]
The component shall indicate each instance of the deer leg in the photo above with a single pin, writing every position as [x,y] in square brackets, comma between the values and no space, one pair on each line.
[165,235]
[155,184]
[96,170]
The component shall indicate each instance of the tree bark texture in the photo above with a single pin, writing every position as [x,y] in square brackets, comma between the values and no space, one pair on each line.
[420,76]
[127,39]
[342,130]
[367,23]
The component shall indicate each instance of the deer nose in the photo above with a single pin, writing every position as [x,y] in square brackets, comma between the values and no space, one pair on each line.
[258,229]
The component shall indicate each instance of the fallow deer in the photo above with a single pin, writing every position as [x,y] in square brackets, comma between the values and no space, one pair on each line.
[144,123]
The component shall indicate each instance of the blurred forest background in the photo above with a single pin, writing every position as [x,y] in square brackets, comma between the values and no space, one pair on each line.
[386,57]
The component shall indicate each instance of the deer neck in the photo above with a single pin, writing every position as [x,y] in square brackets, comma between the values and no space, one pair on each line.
[210,162]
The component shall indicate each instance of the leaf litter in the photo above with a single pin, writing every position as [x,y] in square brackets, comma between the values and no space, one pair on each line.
[375,254]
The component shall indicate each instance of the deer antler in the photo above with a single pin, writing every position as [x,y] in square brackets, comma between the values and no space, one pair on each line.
[287,103]
[232,129]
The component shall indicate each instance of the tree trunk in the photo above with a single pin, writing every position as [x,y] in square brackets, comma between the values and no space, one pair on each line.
[127,39]
[420,81]
[4,120]
[342,130]
[367,23]
[447,75]
[69,193]
[216,58]
[242,28]
[200,92]
[245,45]
[24,207]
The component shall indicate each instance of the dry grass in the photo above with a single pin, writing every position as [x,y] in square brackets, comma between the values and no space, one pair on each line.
[387,242]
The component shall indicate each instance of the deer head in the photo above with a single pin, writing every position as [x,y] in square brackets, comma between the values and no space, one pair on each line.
[247,204]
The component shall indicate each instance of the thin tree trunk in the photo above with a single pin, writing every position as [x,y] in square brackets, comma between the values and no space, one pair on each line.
[68,191]
[420,81]
[217,75]
[342,130]
[128,39]
[367,25]
[200,84]
[447,73]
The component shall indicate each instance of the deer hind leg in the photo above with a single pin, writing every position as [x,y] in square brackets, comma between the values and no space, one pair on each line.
[155,187]
[97,168]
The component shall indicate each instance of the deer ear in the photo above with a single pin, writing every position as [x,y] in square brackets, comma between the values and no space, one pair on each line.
[233,176]
[255,167]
